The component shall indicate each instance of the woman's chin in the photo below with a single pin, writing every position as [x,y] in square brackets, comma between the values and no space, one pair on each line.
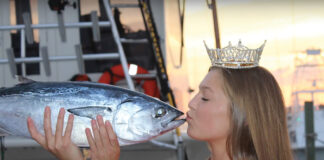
[192,134]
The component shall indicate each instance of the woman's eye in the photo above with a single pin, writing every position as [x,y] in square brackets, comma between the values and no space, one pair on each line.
[204,99]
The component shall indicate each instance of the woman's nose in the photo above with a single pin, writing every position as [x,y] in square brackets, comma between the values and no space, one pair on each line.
[192,103]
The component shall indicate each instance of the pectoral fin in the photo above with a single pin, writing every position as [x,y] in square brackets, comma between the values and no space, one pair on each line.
[91,111]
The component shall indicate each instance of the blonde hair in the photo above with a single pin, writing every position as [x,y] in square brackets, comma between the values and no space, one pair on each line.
[257,111]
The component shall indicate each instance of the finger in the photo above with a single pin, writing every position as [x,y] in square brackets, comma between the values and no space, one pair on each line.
[112,135]
[103,133]
[90,139]
[39,138]
[96,134]
[69,127]
[59,125]
[48,127]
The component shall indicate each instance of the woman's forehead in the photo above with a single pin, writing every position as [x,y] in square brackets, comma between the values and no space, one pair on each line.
[213,80]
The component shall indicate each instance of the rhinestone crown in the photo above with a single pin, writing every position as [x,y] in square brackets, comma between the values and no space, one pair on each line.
[235,57]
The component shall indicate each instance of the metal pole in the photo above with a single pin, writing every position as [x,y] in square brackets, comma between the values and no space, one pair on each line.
[95,27]
[15,141]
[12,63]
[309,130]
[181,149]
[45,60]
[48,26]
[80,61]
[61,27]
[63,58]
[29,31]
[119,45]
[216,28]
[165,145]
[23,51]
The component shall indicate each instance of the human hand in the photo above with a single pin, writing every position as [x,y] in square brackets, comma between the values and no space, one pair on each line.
[59,145]
[104,145]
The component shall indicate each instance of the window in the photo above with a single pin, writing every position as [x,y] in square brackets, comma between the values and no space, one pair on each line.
[17,8]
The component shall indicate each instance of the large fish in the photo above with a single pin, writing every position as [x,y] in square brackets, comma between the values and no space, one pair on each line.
[134,116]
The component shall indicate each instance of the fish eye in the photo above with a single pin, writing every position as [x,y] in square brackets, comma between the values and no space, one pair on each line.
[160,112]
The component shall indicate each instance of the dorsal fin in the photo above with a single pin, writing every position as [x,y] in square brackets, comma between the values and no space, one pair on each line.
[24,80]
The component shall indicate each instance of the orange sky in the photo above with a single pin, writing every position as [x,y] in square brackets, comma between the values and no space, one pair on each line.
[290,27]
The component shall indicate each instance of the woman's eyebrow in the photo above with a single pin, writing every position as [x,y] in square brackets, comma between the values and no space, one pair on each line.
[205,88]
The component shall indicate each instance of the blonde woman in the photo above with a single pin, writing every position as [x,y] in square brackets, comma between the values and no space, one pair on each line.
[241,115]
[239,111]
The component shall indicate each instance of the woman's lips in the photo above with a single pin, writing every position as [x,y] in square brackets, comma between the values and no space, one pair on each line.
[188,117]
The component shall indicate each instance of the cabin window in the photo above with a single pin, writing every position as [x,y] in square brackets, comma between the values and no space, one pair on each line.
[17,8]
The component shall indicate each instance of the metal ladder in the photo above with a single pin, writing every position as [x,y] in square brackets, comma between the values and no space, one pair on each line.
[161,69]
[26,33]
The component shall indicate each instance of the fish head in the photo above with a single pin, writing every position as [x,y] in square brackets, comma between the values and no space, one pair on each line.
[144,119]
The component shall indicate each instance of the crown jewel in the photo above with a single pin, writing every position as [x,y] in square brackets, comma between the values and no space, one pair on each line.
[235,57]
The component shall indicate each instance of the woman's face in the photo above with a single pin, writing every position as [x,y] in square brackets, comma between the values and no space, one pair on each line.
[208,117]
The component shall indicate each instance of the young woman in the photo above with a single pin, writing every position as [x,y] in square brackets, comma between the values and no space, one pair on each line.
[241,115]
[239,112]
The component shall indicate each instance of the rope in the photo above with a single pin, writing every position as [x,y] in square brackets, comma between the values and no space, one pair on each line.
[320,141]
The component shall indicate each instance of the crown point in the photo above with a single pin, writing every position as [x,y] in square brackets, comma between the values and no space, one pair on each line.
[240,43]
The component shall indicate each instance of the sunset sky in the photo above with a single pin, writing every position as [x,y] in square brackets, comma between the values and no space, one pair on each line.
[289,26]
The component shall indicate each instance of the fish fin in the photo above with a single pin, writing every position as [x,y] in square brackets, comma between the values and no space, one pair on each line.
[24,80]
[90,111]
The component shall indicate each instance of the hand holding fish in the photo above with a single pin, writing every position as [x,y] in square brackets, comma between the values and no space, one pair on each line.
[59,145]
[104,145]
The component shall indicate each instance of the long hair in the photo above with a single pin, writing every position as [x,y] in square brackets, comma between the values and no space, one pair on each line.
[258,118]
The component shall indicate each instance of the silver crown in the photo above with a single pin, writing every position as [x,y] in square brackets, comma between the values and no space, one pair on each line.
[235,57]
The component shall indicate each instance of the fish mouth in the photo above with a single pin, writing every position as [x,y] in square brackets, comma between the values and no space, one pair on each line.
[174,122]
[180,118]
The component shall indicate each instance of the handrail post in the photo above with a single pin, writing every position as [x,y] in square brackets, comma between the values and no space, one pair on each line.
[309,131]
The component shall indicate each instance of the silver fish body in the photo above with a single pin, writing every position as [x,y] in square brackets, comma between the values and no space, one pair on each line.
[135,117]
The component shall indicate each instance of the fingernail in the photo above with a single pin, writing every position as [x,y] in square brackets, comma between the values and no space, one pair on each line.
[61,110]
[48,109]
[93,122]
